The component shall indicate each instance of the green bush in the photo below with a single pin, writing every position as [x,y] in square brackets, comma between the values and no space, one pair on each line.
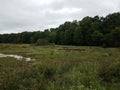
[110,72]
[42,42]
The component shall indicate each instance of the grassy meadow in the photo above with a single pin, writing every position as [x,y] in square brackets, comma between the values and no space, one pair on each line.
[60,68]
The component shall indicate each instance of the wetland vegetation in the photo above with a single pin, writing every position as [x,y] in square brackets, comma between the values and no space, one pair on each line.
[60,68]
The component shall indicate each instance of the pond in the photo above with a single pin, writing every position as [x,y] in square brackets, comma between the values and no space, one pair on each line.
[16,57]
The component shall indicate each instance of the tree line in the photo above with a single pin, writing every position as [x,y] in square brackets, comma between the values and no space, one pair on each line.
[90,31]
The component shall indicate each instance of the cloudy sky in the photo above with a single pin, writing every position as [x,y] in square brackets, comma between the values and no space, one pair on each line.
[31,15]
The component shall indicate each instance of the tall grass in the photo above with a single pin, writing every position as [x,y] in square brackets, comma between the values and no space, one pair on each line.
[57,68]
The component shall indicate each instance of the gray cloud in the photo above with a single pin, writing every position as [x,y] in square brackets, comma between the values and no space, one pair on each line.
[30,15]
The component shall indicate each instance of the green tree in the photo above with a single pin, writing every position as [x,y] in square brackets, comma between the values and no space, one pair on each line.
[97,38]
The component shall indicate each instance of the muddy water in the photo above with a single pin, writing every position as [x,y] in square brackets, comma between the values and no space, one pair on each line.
[16,57]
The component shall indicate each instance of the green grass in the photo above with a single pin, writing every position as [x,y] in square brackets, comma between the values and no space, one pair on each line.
[60,68]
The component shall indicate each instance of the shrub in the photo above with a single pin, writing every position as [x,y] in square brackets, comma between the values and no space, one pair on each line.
[110,72]
[42,42]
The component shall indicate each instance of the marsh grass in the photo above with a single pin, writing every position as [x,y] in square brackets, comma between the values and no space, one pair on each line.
[58,68]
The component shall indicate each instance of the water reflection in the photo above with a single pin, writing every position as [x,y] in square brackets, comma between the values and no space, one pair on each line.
[16,56]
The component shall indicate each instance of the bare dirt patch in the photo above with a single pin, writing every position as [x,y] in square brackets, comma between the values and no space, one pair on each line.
[71,49]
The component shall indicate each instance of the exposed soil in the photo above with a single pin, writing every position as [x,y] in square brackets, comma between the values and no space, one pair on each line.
[72,49]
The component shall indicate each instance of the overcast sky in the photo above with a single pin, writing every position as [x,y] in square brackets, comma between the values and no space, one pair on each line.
[33,15]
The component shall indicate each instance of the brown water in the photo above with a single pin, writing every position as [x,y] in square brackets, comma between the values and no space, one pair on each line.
[16,57]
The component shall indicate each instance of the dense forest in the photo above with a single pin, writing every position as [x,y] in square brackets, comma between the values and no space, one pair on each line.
[90,31]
